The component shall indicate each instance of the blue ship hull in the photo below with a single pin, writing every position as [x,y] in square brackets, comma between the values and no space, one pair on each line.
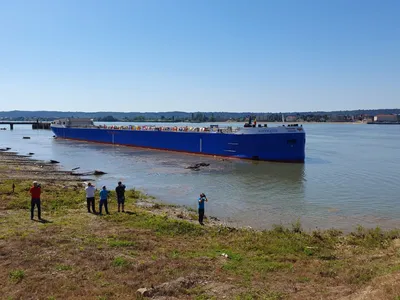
[283,147]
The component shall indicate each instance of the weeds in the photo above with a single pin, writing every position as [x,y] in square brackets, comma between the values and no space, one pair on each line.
[120,243]
[63,268]
[16,275]
[120,262]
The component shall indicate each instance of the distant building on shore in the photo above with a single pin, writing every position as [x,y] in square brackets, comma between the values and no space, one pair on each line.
[368,119]
[385,118]
[291,118]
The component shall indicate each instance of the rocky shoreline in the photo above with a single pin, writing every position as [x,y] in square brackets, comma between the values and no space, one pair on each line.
[25,167]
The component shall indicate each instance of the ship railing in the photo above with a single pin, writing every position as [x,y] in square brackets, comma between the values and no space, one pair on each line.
[170,128]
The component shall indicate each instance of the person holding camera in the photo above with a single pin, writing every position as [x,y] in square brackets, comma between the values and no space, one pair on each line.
[120,191]
[201,200]
[35,198]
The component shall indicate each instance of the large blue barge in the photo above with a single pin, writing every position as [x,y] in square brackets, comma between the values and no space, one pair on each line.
[279,143]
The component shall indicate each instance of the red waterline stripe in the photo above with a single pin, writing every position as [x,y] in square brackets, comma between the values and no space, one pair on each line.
[182,151]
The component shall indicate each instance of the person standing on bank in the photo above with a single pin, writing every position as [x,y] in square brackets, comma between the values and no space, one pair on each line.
[35,198]
[120,190]
[90,190]
[202,199]
[104,199]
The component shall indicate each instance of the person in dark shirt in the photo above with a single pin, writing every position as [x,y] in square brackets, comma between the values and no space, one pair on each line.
[120,190]
[35,198]
[202,199]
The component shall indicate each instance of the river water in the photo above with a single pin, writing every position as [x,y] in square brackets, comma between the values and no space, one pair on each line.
[350,176]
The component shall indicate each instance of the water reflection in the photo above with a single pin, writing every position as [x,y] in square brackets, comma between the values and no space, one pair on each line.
[265,171]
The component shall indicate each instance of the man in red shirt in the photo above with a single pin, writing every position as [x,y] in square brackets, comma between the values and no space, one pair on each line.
[35,193]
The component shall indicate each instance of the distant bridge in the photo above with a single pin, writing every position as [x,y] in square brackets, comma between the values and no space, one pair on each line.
[35,124]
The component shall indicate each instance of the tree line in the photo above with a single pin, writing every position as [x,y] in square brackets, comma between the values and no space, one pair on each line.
[195,117]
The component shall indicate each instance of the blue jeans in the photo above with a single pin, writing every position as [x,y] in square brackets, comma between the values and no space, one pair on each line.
[35,201]
[105,203]
[201,215]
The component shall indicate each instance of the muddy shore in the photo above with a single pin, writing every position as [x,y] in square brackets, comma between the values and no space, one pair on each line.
[25,167]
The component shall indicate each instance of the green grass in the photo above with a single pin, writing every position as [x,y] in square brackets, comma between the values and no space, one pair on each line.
[253,295]
[160,224]
[53,198]
[372,238]
[121,243]
[120,262]
[16,275]
[63,268]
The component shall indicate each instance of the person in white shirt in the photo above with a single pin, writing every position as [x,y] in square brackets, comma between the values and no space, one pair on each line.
[90,191]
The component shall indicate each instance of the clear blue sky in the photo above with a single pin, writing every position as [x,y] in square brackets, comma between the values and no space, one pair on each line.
[209,55]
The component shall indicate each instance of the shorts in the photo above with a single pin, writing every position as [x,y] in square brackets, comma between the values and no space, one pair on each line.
[121,200]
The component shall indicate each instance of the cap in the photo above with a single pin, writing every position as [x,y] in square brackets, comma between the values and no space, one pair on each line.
[35,182]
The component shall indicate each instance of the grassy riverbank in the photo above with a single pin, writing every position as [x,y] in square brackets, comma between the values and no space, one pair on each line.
[77,255]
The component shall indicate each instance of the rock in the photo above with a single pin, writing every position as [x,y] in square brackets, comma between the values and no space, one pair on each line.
[31,153]
[26,137]
[97,172]
[173,287]
[192,167]
[143,292]
[54,161]
[196,167]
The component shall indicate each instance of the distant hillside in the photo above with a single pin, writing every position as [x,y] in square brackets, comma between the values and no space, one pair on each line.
[177,116]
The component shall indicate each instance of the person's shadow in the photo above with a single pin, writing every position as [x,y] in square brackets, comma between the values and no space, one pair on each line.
[44,221]
[130,212]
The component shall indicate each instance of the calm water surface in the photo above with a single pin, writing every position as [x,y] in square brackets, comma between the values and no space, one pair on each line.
[351,176]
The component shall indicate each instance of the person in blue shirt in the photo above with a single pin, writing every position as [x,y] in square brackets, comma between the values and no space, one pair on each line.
[104,199]
[201,201]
